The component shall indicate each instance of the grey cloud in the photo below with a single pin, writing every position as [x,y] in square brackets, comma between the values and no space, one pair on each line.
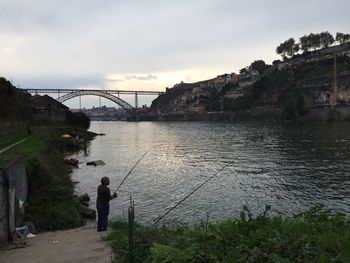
[113,80]
[49,15]
[141,77]
[58,82]
[102,38]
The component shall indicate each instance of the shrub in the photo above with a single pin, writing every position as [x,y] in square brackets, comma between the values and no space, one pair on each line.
[51,203]
[316,235]
[78,119]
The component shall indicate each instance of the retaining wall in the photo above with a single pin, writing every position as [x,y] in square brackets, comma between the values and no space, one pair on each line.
[13,196]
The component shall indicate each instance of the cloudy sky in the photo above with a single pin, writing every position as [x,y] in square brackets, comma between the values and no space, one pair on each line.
[149,44]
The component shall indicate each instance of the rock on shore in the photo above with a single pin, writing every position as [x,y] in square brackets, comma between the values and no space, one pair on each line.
[84,210]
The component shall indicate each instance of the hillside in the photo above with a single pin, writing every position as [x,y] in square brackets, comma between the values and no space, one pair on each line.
[15,107]
[294,88]
[15,104]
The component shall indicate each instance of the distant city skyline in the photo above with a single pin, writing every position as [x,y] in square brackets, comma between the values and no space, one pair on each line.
[149,45]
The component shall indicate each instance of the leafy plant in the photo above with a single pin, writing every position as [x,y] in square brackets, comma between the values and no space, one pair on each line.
[318,234]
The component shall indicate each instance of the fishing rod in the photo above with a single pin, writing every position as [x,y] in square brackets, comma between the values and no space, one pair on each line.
[187,196]
[132,169]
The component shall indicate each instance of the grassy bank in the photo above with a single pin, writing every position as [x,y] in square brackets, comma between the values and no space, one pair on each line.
[8,139]
[317,235]
[33,147]
[51,204]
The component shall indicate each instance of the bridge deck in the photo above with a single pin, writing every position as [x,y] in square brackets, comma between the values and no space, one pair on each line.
[140,92]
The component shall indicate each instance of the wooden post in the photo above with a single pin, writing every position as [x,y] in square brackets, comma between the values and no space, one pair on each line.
[131,231]
[206,234]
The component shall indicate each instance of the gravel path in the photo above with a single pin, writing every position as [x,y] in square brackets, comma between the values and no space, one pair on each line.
[75,245]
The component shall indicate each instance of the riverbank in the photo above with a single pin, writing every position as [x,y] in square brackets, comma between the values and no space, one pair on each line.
[316,235]
[51,204]
[324,112]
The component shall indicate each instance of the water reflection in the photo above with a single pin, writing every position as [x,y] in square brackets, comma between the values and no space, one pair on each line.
[290,166]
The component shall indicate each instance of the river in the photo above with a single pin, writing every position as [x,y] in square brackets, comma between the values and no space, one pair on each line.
[290,166]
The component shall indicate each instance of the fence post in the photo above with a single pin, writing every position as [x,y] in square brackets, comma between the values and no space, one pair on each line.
[206,234]
[131,231]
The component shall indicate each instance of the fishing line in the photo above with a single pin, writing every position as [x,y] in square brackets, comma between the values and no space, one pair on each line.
[132,169]
[171,209]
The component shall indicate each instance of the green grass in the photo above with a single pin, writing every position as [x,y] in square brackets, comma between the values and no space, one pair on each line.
[317,235]
[32,147]
[6,140]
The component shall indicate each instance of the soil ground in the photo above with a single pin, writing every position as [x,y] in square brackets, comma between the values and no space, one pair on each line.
[83,244]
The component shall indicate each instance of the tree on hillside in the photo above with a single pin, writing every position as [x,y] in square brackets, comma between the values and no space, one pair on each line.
[259,65]
[305,44]
[15,104]
[243,70]
[314,41]
[342,38]
[276,62]
[310,42]
[326,39]
[288,48]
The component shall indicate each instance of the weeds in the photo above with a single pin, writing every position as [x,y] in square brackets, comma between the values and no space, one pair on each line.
[317,235]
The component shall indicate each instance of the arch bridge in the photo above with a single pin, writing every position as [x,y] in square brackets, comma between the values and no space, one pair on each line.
[112,95]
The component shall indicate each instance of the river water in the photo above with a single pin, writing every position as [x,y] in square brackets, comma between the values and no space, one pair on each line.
[290,166]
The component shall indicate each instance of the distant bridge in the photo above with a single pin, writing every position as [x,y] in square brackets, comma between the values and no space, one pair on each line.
[112,95]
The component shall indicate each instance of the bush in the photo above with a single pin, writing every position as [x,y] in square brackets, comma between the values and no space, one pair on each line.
[78,119]
[51,203]
[317,235]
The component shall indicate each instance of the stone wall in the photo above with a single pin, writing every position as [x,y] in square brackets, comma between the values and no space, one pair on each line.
[3,208]
[328,113]
[198,116]
[52,117]
[13,196]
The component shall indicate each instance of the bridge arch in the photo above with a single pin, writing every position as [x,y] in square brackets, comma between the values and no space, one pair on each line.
[101,93]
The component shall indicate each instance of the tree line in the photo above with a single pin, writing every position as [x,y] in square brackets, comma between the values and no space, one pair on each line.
[310,42]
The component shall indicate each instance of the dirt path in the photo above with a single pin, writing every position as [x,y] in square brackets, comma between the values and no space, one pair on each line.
[76,245]
[10,146]
[14,144]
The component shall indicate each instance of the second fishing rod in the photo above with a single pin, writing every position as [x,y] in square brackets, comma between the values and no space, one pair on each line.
[183,199]
[191,193]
